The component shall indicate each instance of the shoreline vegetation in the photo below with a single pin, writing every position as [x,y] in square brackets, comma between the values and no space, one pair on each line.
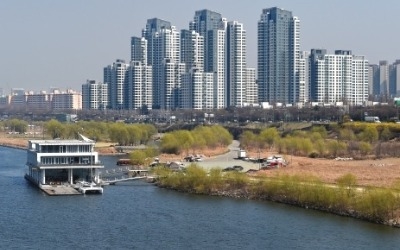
[343,197]
[373,204]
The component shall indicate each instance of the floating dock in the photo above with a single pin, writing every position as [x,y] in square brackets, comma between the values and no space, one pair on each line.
[67,189]
[60,190]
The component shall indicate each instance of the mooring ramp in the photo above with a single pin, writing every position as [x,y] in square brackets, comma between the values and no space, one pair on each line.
[125,175]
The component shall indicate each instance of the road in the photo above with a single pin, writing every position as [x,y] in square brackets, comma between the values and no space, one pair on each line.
[228,160]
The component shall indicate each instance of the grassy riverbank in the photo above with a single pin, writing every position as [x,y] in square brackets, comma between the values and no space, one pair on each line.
[378,205]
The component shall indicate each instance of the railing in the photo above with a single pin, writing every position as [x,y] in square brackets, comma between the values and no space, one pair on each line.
[121,174]
[38,164]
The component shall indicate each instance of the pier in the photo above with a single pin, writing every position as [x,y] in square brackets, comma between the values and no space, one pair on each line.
[123,174]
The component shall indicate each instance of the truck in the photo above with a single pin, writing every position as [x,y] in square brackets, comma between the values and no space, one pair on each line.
[374,119]
[242,154]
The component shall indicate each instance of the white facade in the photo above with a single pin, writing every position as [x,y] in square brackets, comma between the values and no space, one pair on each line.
[94,95]
[334,75]
[304,78]
[358,94]
[114,77]
[251,89]
[340,77]
[192,50]
[165,48]
[62,162]
[171,93]
[139,86]
[218,55]
[236,64]
[67,100]
[197,90]
[139,49]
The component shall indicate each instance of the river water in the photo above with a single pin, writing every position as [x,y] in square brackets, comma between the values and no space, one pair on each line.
[141,216]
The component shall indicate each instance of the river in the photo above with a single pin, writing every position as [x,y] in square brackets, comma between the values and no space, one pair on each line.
[139,215]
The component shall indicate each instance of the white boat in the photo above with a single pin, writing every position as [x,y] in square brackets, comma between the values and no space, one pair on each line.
[59,167]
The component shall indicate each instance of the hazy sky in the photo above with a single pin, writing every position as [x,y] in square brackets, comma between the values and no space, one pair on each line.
[48,43]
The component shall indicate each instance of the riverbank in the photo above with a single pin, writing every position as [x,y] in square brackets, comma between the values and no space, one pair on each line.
[376,205]
[375,173]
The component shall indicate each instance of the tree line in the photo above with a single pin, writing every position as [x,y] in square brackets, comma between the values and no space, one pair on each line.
[121,133]
[352,139]
[185,141]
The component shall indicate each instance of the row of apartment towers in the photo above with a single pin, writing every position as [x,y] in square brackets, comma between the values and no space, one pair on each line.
[205,67]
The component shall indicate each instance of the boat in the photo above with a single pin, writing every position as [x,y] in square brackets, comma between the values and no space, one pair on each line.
[64,167]
[124,162]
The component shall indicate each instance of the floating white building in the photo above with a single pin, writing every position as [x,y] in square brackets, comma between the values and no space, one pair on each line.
[64,167]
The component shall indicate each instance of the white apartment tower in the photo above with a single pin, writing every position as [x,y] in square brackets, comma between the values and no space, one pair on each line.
[139,86]
[94,95]
[115,78]
[236,66]
[139,90]
[192,50]
[213,27]
[359,89]
[251,89]
[339,77]
[68,100]
[304,77]
[171,93]
[197,90]
[139,49]
[163,52]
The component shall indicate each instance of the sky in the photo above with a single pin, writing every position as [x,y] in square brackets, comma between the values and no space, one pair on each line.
[48,43]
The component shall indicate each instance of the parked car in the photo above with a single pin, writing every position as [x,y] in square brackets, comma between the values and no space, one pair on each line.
[234,168]
[227,169]
[238,168]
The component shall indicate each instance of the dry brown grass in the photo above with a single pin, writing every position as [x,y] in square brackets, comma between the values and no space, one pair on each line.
[379,173]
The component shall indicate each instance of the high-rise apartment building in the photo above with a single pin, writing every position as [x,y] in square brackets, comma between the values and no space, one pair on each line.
[66,100]
[304,77]
[115,78]
[394,79]
[339,77]
[171,93]
[204,23]
[373,81]
[212,27]
[163,51]
[94,95]
[251,89]
[357,93]
[192,50]
[384,79]
[38,101]
[278,56]
[139,86]
[218,65]
[139,49]
[197,90]
[236,64]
